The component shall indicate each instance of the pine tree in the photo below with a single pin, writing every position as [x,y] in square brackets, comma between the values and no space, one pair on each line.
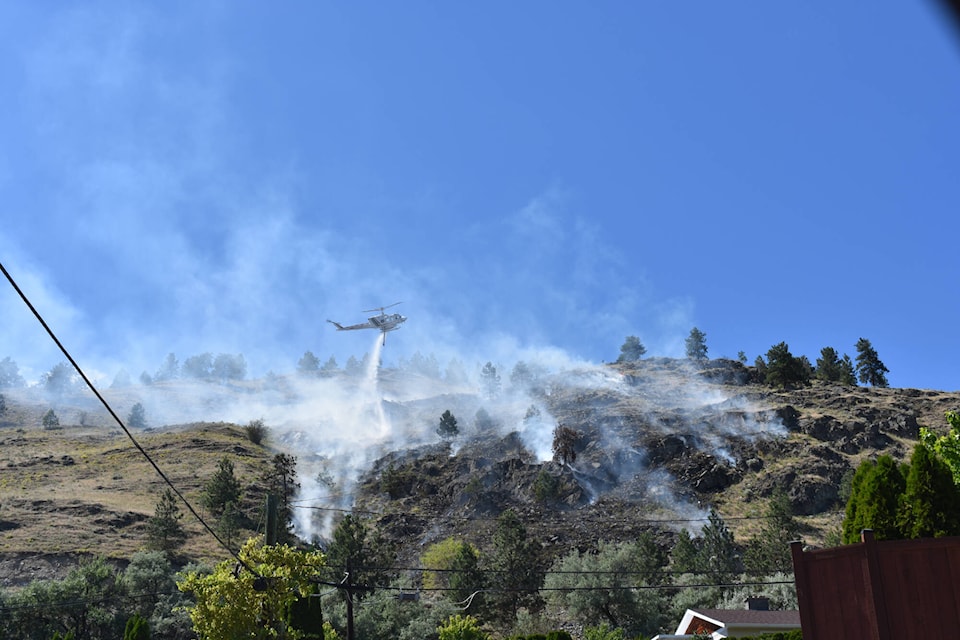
[769,552]
[138,417]
[514,567]
[466,577]
[718,554]
[448,428]
[683,556]
[281,482]
[828,365]
[877,488]
[848,374]
[50,420]
[309,364]
[490,381]
[631,350]
[696,345]
[870,369]
[223,487]
[783,369]
[164,531]
[930,507]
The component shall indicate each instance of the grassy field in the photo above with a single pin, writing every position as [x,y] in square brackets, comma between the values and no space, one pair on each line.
[87,489]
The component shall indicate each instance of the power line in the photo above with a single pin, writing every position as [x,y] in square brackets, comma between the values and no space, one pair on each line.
[120,422]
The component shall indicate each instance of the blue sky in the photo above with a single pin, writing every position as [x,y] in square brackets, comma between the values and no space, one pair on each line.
[528,178]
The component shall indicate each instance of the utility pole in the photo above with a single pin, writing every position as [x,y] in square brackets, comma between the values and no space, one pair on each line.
[271,509]
[348,586]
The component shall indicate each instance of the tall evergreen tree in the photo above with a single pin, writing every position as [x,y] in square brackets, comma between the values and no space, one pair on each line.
[877,488]
[138,417]
[308,364]
[221,488]
[631,350]
[769,552]
[356,550]
[281,481]
[696,345]
[490,381]
[783,369]
[164,531]
[848,373]
[448,429]
[719,555]
[466,577]
[870,369]
[169,370]
[515,568]
[930,507]
[828,365]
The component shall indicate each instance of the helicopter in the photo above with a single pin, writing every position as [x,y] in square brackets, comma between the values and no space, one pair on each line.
[384,322]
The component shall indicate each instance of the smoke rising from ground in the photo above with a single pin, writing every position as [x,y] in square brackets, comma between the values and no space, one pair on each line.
[338,424]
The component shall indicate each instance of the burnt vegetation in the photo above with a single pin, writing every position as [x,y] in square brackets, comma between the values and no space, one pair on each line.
[652,472]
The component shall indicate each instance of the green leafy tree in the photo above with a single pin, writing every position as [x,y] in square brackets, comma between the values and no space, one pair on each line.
[603,632]
[238,604]
[461,628]
[137,418]
[595,588]
[437,559]
[85,603]
[696,345]
[947,446]
[448,428]
[742,357]
[164,531]
[783,369]
[256,431]
[221,488]
[148,581]
[930,506]
[631,350]
[870,369]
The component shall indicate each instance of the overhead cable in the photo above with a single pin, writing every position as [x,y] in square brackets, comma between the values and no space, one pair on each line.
[120,422]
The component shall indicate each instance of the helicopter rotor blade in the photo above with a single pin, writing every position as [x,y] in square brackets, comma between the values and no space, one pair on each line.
[381,309]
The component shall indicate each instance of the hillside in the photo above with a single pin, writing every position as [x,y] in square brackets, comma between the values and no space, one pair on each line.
[658,443]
